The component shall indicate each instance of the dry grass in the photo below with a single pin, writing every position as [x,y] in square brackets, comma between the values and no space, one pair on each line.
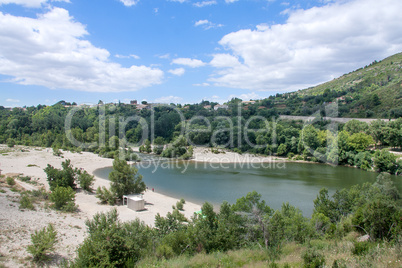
[380,255]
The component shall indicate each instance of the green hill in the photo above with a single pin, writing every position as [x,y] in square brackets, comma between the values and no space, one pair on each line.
[372,91]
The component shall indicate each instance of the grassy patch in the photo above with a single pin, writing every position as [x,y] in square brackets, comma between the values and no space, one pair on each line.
[10,181]
[26,202]
[32,165]
[27,179]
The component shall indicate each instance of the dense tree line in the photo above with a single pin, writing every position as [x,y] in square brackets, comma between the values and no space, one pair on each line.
[369,209]
[109,130]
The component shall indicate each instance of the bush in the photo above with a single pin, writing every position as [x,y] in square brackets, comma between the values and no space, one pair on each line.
[179,205]
[385,161]
[63,178]
[312,258]
[111,243]
[86,181]
[26,202]
[43,242]
[164,251]
[106,196]
[63,198]
[10,181]
[237,150]
[361,248]
[10,143]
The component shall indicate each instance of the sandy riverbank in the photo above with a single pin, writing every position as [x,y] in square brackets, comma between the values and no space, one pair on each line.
[17,225]
[205,154]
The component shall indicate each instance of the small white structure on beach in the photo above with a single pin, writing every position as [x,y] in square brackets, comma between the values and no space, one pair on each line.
[135,202]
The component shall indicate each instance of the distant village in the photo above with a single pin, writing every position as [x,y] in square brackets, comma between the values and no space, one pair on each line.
[139,106]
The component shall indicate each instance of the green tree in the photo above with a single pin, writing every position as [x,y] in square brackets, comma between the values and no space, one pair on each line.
[43,242]
[385,161]
[147,146]
[10,142]
[355,126]
[86,180]
[282,149]
[64,178]
[375,129]
[63,198]
[125,179]
[380,217]
[159,143]
[360,141]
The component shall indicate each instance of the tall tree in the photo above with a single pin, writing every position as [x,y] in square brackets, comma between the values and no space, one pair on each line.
[125,179]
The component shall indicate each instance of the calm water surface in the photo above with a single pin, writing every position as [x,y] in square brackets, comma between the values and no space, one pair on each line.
[296,183]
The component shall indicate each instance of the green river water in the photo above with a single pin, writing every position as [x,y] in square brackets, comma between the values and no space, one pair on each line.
[296,183]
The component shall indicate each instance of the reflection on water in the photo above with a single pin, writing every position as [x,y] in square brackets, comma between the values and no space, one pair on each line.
[296,183]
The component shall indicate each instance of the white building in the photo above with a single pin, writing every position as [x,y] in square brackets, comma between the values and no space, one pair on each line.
[135,202]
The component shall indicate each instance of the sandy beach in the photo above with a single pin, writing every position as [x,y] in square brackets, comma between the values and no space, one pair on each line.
[17,225]
[205,154]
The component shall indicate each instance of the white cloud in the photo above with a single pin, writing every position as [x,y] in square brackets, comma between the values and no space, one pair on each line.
[205,3]
[127,57]
[313,46]
[202,85]
[178,71]
[129,3]
[231,1]
[51,51]
[207,24]
[168,99]
[12,100]
[30,3]
[224,61]
[246,97]
[193,63]
[201,22]
[165,56]
[180,1]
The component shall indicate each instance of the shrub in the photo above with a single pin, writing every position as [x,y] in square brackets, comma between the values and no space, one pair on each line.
[10,181]
[10,142]
[26,202]
[164,251]
[40,194]
[312,258]
[179,205]
[361,248]
[291,155]
[86,181]
[237,150]
[57,152]
[63,178]
[25,179]
[111,243]
[106,196]
[63,198]
[43,242]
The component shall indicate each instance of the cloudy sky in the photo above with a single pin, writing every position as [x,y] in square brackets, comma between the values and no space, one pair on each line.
[184,51]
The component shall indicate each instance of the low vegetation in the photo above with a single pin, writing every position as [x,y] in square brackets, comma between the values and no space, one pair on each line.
[63,199]
[42,243]
[250,233]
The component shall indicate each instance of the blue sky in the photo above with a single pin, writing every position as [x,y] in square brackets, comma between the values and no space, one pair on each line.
[184,51]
